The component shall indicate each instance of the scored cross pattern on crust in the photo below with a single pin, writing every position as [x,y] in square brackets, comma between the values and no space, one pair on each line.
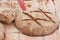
[35,19]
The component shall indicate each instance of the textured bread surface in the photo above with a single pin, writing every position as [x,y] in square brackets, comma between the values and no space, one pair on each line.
[38,20]
[7,12]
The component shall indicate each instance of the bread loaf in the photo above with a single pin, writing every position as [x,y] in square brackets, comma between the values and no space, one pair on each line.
[7,12]
[38,20]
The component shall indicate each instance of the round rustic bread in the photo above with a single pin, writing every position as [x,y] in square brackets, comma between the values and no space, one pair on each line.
[7,13]
[36,21]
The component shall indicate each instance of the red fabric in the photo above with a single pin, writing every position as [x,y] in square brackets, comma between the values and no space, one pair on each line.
[21,3]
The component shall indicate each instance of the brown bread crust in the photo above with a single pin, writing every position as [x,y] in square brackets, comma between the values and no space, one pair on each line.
[36,21]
